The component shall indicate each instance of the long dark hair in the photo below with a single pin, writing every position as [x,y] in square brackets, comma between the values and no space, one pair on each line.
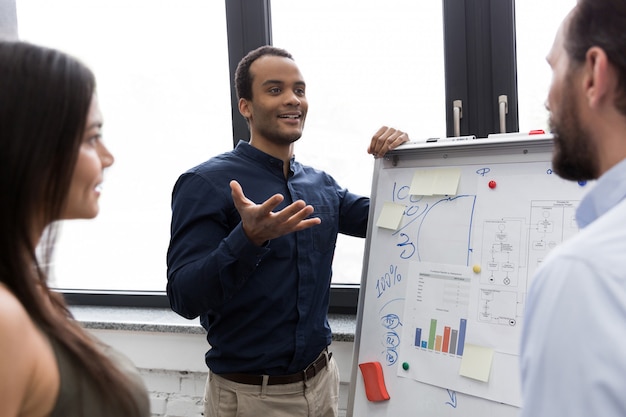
[44,101]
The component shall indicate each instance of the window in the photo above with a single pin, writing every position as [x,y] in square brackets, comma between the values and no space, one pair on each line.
[366,64]
[535,33]
[163,87]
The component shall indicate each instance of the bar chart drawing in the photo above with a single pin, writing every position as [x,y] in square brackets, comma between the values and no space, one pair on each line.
[436,311]
[450,341]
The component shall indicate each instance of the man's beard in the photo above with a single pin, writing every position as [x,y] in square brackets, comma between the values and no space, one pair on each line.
[575,156]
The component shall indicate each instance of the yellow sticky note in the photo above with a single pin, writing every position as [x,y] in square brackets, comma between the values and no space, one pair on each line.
[476,362]
[391,215]
[444,181]
[422,183]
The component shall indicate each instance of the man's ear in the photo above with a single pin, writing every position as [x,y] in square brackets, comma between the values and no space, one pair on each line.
[244,108]
[598,77]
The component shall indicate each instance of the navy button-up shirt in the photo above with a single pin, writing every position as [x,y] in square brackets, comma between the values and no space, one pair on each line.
[264,308]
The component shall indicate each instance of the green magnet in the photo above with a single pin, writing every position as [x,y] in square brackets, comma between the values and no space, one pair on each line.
[405,366]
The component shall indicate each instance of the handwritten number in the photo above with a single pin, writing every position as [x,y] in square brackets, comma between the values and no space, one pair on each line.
[390,321]
[407,245]
[388,280]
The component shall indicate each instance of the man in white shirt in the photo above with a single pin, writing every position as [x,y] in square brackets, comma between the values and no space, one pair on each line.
[573,352]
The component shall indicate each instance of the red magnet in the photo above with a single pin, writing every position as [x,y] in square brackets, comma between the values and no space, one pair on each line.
[492,184]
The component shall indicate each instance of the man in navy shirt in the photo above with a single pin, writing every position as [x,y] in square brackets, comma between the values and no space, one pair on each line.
[256,267]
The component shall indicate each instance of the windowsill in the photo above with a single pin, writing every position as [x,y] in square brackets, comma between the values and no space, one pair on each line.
[163,320]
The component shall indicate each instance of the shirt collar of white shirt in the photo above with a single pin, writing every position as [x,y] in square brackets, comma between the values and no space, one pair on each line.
[609,190]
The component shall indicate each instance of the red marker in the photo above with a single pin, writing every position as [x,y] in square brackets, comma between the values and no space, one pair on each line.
[512,135]
[492,184]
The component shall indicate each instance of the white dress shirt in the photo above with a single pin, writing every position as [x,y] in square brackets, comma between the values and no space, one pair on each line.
[573,350]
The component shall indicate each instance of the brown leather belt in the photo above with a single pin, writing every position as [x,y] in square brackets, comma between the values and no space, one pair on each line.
[308,373]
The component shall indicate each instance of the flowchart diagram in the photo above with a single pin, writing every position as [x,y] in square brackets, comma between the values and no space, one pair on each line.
[512,249]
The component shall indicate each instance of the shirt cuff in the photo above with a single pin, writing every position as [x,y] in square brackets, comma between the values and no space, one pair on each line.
[243,249]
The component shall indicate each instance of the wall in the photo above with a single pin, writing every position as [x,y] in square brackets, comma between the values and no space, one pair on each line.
[173,368]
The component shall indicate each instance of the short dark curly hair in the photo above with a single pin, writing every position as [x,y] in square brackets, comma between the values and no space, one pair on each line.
[243,78]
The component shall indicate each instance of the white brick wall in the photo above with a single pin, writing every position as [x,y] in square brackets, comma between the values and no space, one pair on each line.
[173,369]
[179,393]
[175,393]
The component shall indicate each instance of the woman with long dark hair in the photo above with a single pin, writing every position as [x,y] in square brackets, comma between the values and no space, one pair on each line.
[52,160]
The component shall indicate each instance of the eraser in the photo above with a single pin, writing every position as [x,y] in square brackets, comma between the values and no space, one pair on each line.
[374,380]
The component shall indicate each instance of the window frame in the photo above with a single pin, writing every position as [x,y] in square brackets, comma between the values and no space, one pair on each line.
[480,64]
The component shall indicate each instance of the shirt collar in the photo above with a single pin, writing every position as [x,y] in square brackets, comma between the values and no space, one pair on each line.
[244,148]
[609,190]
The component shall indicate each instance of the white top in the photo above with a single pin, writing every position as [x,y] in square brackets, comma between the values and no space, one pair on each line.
[573,351]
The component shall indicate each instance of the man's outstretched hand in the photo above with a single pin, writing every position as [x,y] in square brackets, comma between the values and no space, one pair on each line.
[261,224]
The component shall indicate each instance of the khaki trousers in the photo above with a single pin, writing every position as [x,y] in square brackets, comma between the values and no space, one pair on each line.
[317,397]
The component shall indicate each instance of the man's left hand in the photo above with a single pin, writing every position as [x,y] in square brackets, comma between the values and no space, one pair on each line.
[386,139]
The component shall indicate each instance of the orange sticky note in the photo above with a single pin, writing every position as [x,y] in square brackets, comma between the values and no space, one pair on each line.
[374,380]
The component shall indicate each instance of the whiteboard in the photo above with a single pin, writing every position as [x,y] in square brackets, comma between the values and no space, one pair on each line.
[446,287]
